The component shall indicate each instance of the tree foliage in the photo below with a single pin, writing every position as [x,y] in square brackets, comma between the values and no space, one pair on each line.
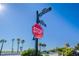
[65,51]
[30,52]
[77,46]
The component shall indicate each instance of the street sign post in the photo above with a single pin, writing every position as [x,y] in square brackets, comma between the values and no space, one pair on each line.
[37,29]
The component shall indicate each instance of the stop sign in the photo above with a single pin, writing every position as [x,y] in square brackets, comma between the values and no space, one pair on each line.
[37,31]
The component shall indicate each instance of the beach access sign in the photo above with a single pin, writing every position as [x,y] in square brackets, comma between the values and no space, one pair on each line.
[37,31]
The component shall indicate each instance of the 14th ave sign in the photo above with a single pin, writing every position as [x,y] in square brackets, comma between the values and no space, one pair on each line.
[45,10]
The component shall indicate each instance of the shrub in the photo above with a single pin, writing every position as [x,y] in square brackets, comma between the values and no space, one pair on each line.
[30,52]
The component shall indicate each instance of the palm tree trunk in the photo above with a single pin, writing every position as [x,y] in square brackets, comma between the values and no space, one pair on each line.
[12,46]
[18,48]
[1,48]
[22,46]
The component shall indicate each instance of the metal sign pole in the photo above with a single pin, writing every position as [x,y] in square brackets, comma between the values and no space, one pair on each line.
[36,39]
[45,10]
[36,43]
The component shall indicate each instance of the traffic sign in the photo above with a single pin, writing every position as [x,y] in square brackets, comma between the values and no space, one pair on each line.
[37,31]
[45,10]
[42,23]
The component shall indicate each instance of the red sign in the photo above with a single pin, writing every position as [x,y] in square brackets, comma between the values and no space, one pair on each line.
[37,31]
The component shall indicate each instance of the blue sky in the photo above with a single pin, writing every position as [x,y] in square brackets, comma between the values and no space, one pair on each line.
[62,24]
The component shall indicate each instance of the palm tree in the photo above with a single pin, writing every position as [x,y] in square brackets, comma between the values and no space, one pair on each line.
[12,44]
[21,48]
[77,46]
[67,45]
[18,43]
[2,41]
[22,42]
